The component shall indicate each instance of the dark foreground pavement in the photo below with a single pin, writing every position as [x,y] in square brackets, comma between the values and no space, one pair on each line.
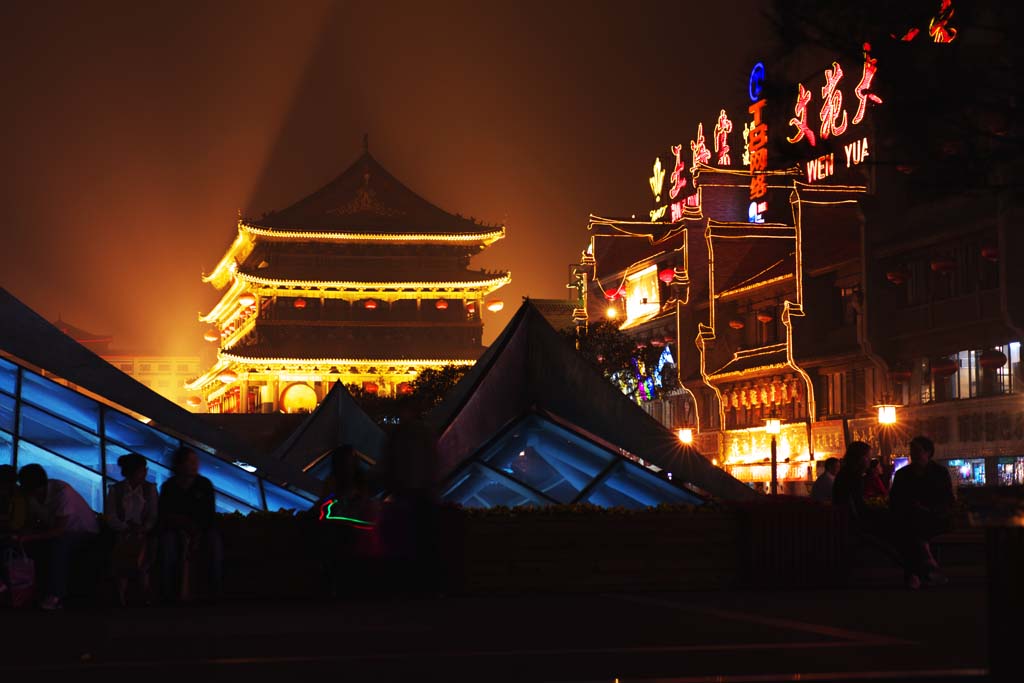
[858,634]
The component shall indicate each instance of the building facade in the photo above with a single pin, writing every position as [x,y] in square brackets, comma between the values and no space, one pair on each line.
[362,282]
[803,282]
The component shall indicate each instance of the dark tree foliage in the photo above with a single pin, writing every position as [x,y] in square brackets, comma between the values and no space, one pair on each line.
[951,113]
[428,390]
[617,356]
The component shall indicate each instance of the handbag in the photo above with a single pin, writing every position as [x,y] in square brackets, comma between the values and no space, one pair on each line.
[20,573]
[129,556]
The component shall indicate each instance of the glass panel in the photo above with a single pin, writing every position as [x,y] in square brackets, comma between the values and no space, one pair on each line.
[157,474]
[8,376]
[634,488]
[1011,471]
[548,458]
[6,449]
[227,504]
[6,413]
[140,438]
[480,487]
[230,479]
[60,437]
[88,484]
[61,401]
[282,499]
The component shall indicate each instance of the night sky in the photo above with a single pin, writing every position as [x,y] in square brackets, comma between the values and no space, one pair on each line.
[133,133]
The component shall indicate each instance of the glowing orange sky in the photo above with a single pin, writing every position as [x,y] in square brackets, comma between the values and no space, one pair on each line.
[134,133]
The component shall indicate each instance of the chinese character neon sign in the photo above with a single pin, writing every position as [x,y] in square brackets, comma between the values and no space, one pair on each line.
[803,98]
[678,179]
[701,155]
[756,147]
[861,91]
[722,130]
[832,104]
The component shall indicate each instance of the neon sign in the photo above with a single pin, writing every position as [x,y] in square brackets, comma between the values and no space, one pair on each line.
[803,98]
[938,26]
[832,104]
[659,213]
[701,155]
[758,139]
[657,181]
[756,84]
[821,168]
[861,91]
[677,178]
[722,130]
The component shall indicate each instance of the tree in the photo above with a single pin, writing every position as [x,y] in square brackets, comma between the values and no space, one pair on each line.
[623,362]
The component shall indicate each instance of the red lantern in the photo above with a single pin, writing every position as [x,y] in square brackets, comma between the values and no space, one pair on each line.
[611,294]
[441,305]
[299,303]
[944,367]
[228,376]
[211,335]
[898,276]
[736,324]
[495,305]
[764,317]
[943,264]
[657,343]
[669,339]
[404,389]
[370,305]
[247,299]
[667,275]
[370,387]
[195,401]
[471,307]
[992,359]
[990,252]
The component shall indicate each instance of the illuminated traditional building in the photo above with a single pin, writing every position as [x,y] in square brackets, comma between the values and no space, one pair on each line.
[362,282]
[164,374]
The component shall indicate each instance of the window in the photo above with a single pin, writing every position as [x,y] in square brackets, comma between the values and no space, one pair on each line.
[230,479]
[61,401]
[58,436]
[88,484]
[967,472]
[164,367]
[642,297]
[145,367]
[157,474]
[631,487]
[282,499]
[6,449]
[480,487]
[548,459]
[127,367]
[1011,471]
[139,438]
[8,376]
[227,504]
[7,407]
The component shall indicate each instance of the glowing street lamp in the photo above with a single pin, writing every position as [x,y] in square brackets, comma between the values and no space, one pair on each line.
[886,414]
[685,435]
[611,313]
[773,426]
[886,419]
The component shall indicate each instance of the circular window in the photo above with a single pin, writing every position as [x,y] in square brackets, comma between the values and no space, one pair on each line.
[298,398]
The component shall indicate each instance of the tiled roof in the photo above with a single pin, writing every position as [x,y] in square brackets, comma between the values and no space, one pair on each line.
[368,198]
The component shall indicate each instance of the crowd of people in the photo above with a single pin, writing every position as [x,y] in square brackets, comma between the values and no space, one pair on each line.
[903,518]
[47,522]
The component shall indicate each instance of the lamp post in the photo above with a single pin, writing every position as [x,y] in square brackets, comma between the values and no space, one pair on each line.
[773,426]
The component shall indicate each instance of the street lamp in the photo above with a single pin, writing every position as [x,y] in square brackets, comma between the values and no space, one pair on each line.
[773,426]
[685,435]
[886,419]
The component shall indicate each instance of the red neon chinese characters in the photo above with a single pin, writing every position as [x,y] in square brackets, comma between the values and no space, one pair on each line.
[677,179]
[803,98]
[722,130]
[758,145]
[861,91]
[937,25]
[832,106]
[701,155]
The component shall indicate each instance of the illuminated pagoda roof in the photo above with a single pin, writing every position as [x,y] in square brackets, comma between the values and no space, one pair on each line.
[753,362]
[367,198]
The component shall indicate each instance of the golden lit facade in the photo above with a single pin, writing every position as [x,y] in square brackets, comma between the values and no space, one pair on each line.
[362,282]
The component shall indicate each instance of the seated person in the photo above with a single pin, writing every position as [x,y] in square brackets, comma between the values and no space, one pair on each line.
[65,523]
[188,532]
[822,489]
[131,512]
[921,501]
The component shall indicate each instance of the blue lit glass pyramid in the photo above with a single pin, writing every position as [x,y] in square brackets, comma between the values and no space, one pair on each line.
[533,424]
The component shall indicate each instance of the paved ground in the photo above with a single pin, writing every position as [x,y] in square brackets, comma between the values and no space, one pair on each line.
[863,634]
